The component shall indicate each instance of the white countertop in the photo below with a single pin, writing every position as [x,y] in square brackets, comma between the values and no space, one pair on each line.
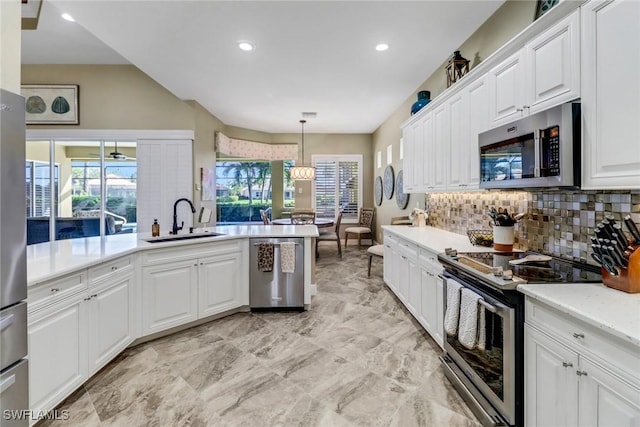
[435,239]
[613,311]
[48,260]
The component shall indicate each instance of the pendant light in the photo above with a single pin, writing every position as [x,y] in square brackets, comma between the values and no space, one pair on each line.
[302,172]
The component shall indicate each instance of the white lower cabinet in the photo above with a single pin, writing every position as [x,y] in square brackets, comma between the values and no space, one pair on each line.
[111,319]
[202,281]
[220,280]
[576,375]
[72,338]
[58,346]
[169,295]
[412,273]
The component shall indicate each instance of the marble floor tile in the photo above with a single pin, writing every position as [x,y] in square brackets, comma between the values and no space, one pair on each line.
[356,358]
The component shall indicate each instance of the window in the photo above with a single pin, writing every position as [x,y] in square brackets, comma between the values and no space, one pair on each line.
[289,189]
[66,202]
[243,188]
[338,186]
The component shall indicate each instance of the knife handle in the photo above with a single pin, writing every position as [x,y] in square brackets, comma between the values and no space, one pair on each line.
[633,229]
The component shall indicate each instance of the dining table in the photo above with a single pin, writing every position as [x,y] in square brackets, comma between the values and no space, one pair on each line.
[319,222]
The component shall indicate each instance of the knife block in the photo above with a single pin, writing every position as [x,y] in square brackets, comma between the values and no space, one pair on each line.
[629,278]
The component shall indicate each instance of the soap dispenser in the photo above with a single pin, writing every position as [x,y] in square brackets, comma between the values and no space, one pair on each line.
[155,228]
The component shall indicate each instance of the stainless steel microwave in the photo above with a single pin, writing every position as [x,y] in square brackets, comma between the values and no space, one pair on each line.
[538,151]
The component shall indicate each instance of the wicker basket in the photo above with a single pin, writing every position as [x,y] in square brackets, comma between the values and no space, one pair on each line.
[480,237]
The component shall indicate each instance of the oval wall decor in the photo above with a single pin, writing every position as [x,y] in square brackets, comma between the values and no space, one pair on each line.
[402,198]
[377,190]
[388,182]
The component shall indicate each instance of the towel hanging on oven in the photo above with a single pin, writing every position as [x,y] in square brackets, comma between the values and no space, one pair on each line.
[468,327]
[453,307]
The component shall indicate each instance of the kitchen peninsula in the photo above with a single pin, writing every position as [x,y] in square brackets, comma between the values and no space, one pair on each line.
[91,298]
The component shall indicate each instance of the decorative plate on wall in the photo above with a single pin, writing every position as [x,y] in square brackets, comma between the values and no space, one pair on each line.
[377,190]
[402,198]
[388,182]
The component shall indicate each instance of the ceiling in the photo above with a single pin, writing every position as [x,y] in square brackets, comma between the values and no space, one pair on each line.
[310,56]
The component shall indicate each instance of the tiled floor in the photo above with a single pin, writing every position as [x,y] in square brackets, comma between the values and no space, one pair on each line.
[356,358]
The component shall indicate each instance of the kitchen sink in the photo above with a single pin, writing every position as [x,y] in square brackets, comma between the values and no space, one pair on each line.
[183,237]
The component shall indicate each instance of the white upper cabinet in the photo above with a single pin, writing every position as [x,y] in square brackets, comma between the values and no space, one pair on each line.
[478,122]
[426,161]
[611,95]
[545,73]
[506,99]
[440,147]
[553,65]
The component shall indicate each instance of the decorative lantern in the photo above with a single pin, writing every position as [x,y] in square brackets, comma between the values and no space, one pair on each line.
[457,67]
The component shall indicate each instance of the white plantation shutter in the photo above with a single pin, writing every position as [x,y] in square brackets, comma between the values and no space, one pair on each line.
[338,186]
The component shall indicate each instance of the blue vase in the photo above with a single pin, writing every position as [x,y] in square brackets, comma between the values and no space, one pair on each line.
[423,99]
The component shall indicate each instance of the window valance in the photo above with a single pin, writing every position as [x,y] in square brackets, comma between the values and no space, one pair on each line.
[255,150]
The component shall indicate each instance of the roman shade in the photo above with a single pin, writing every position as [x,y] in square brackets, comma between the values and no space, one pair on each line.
[240,148]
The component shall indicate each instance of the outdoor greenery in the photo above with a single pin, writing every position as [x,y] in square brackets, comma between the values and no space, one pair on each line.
[125,207]
[238,181]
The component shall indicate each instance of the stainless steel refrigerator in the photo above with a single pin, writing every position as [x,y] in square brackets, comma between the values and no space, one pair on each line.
[14,373]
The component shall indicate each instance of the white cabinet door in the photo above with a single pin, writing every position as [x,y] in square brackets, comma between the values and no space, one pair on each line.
[478,101]
[219,283]
[440,147]
[412,138]
[439,319]
[611,95]
[553,65]
[169,295]
[428,153]
[111,320]
[414,292]
[605,399]
[459,157]
[403,278]
[57,352]
[391,262]
[506,93]
[551,385]
[428,308]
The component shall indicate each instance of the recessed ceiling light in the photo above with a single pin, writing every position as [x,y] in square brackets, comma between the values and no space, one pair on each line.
[382,47]
[68,17]
[247,46]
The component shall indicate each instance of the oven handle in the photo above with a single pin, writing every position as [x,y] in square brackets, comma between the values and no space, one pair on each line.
[488,306]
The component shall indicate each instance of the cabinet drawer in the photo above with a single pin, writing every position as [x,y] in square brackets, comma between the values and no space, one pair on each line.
[179,253]
[410,250]
[617,355]
[108,268]
[52,291]
[428,258]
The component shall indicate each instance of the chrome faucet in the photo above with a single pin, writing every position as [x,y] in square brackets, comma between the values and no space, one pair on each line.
[175,228]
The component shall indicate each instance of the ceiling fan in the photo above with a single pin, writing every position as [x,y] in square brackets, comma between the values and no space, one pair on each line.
[115,154]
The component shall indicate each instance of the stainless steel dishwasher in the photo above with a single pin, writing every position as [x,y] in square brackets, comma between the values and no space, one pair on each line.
[276,289]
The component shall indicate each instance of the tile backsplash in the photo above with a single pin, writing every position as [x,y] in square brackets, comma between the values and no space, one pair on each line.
[557,222]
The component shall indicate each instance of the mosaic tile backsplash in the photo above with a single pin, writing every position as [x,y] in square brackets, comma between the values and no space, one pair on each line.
[557,222]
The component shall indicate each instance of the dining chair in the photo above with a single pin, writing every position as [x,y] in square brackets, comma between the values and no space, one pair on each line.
[331,235]
[364,227]
[303,217]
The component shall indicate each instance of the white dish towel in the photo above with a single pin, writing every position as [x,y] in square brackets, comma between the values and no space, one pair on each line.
[469,311]
[453,307]
[288,257]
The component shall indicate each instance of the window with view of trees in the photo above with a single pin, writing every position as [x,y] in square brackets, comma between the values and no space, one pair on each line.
[244,187]
[338,186]
[38,188]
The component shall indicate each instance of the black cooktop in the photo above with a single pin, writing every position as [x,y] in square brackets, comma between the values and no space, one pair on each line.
[555,270]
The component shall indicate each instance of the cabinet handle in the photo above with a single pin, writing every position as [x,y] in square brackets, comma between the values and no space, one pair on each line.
[94,296]
[578,335]
[87,299]
[54,290]
[114,268]
[581,373]
[195,265]
[526,106]
[519,109]
[202,263]
[567,364]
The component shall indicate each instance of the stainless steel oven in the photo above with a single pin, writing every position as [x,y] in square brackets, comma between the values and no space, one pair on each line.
[490,374]
[487,372]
